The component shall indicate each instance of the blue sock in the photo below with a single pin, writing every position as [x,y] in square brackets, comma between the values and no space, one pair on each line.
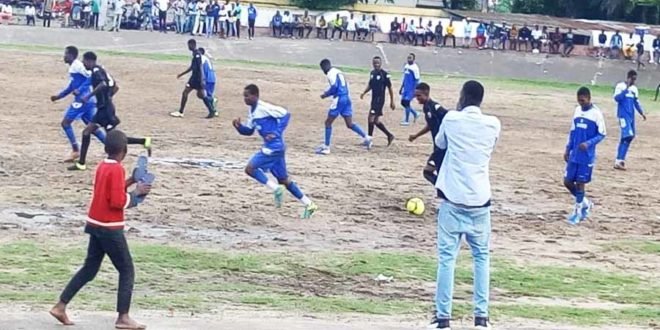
[208,102]
[573,191]
[624,144]
[294,190]
[579,196]
[357,129]
[100,134]
[328,135]
[71,136]
[414,113]
[260,176]
[407,116]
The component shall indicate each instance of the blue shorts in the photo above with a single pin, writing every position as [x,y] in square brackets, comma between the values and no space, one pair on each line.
[580,173]
[210,89]
[77,110]
[275,163]
[341,107]
[627,127]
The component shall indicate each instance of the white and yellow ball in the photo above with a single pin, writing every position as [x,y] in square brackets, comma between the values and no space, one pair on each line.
[415,206]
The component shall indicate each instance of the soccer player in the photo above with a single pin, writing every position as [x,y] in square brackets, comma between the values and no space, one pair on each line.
[196,82]
[79,84]
[270,121]
[411,78]
[105,226]
[378,82]
[433,113]
[104,89]
[587,130]
[626,96]
[209,74]
[341,105]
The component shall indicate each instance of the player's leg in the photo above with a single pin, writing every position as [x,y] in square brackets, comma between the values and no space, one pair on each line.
[348,119]
[210,93]
[280,173]
[184,100]
[72,113]
[145,142]
[208,102]
[627,136]
[87,118]
[86,138]
[371,120]
[325,148]
[378,123]
[256,166]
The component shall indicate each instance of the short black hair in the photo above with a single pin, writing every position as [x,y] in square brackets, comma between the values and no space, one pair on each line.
[584,91]
[412,54]
[252,89]
[115,142]
[473,93]
[89,56]
[192,42]
[73,50]
[632,73]
[201,50]
[325,62]
[376,58]
[424,87]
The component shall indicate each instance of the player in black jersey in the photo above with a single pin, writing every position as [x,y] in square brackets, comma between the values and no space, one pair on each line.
[197,82]
[379,81]
[104,88]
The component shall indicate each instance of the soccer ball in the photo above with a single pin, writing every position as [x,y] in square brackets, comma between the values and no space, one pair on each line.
[415,206]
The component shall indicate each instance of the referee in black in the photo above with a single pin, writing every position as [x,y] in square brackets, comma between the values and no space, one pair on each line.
[378,82]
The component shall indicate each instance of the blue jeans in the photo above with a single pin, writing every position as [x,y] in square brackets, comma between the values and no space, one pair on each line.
[209,26]
[180,21]
[455,222]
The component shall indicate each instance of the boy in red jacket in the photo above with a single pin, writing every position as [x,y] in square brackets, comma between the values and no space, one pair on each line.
[105,226]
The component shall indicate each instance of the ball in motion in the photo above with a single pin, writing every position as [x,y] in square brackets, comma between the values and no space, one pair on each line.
[415,206]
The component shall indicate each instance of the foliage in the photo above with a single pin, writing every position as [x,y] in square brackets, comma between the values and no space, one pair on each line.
[332,4]
[642,11]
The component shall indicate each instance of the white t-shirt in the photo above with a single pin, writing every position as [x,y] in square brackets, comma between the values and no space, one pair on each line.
[162,4]
[536,34]
[136,9]
[87,6]
[201,8]
[287,19]
[30,11]
[119,6]
[222,17]
[351,24]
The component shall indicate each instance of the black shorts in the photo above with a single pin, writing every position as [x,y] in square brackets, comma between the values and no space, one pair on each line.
[436,158]
[195,84]
[106,118]
[377,108]
[405,103]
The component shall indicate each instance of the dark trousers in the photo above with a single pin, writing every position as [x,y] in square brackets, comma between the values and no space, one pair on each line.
[276,30]
[30,20]
[238,27]
[453,40]
[46,21]
[162,20]
[95,20]
[323,31]
[341,32]
[251,28]
[102,242]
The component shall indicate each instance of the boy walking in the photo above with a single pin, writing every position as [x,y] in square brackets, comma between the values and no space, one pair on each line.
[105,225]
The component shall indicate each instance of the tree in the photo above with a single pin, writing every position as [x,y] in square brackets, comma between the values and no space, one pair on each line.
[331,4]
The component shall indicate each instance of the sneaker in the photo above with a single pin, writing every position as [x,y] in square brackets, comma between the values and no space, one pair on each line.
[323,150]
[215,103]
[405,123]
[210,115]
[77,167]
[586,210]
[309,211]
[176,114]
[481,323]
[437,323]
[73,157]
[390,139]
[575,216]
[278,196]
[369,143]
[620,165]
[147,145]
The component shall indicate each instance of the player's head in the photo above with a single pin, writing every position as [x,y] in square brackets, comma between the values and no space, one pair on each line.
[115,145]
[201,50]
[192,44]
[422,92]
[251,94]
[631,78]
[584,98]
[377,63]
[411,58]
[70,54]
[325,65]
[472,94]
[89,60]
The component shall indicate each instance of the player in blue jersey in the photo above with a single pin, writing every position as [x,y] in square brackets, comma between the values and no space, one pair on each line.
[270,121]
[79,84]
[626,96]
[209,75]
[411,78]
[341,106]
[587,130]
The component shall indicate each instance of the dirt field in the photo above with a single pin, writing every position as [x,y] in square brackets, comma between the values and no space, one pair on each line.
[360,193]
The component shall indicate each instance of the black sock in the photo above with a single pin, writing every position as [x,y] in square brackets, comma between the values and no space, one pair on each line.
[371,128]
[430,177]
[141,141]
[382,127]
[83,149]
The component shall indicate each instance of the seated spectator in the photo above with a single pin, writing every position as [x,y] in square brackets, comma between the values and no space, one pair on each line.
[298,27]
[30,13]
[420,33]
[555,41]
[403,29]
[602,44]
[322,28]
[276,22]
[351,26]
[363,28]
[656,49]
[430,34]
[544,38]
[439,31]
[307,24]
[287,24]
[6,14]
[481,35]
[616,45]
[524,36]
[493,34]
[536,38]
[467,33]
[504,36]
[513,38]
[337,25]
[374,26]
[410,32]
[450,34]
[394,30]
[568,43]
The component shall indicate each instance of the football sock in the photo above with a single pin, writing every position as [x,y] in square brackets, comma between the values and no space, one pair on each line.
[208,102]
[83,150]
[184,100]
[357,129]
[140,141]
[328,136]
[579,197]
[71,136]
[622,151]
[370,128]
[294,190]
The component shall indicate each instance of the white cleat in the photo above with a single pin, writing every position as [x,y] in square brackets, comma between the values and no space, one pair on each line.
[176,114]
[322,150]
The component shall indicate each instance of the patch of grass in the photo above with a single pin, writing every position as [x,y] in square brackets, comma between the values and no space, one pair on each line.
[580,316]
[638,247]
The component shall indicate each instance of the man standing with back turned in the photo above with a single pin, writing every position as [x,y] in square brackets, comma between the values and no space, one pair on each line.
[469,137]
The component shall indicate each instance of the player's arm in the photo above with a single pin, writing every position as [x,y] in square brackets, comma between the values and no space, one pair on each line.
[73,85]
[639,109]
[423,131]
[600,136]
[389,88]
[570,144]
[332,90]
[246,130]
[366,90]
[201,71]
[184,72]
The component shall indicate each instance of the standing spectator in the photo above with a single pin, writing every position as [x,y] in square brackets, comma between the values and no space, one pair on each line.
[148,12]
[568,43]
[394,30]
[322,27]
[86,14]
[420,33]
[439,31]
[222,20]
[337,25]
[616,45]
[481,35]
[276,23]
[363,28]
[602,44]
[287,24]
[200,17]
[513,37]
[30,13]
[656,49]
[467,33]
[76,13]
[231,22]
[469,138]
[179,14]
[351,26]
[307,24]
[450,34]
[163,6]
[524,37]
[136,13]
[238,10]
[403,28]
[47,12]
[629,50]
[191,8]
[210,17]
[374,27]
[252,19]
[640,53]
[6,14]
[555,41]
[96,9]
[118,13]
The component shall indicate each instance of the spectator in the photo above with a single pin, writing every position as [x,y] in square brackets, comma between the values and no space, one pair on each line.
[555,42]
[439,30]
[252,19]
[238,10]
[493,35]
[307,24]
[276,22]
[568,43]
[420,33]
[463,182]
[403,28]
[481,35]
[76,13]
[86,14]
[616,45]
[322,27]
[337,25]
[191,13]
[513,38]
[47,12]
[504,36]
[148,12]
[30,13]
[394,30]
[200,18]
[450,34]
[118,13]
[363,28]
[231,21]
[287,24]
[524,37]
[467,33]
[136,12]
[179,7]
[351,26]
[430,34]
[164,5]
[96,9]
[656,49]
[629,49]
[210,17]
[640,53]
[374,27]
[297,26]
[410,32]
[602,44]
[544,38]
[6,14]
[536,38]
[223,15]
